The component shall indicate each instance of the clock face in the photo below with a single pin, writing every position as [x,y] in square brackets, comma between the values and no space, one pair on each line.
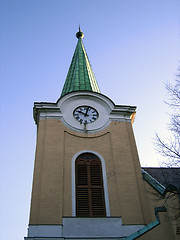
[85,114]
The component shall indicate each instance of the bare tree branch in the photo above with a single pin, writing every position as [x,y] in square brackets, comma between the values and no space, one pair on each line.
[169,149]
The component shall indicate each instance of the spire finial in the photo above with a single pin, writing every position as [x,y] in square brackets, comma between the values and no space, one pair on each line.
[79,34]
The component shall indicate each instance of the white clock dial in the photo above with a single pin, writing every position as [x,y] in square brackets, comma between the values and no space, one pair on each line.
[85,114]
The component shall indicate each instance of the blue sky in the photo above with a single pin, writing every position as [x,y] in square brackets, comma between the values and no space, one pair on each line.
[133,47]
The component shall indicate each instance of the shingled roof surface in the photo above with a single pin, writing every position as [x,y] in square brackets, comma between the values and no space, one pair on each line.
[80,76]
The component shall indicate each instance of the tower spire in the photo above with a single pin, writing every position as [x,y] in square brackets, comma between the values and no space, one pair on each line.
[80,76]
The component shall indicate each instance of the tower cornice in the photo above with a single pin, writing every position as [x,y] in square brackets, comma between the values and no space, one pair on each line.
[64,107]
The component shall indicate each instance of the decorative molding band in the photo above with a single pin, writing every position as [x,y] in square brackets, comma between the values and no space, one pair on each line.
[83,228]
[45,231]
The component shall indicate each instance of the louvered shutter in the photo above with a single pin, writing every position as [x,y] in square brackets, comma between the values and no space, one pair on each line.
[82,188]
[89,187]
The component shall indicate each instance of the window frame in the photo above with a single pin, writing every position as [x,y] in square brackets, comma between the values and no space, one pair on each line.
[106,197]
[89,186]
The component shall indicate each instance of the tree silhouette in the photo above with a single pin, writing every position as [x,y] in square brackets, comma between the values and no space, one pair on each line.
[169,148]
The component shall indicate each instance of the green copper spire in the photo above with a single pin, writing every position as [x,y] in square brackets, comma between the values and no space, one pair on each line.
[80,76]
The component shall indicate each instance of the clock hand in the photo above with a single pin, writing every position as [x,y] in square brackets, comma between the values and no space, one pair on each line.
[81,112]
[86,111]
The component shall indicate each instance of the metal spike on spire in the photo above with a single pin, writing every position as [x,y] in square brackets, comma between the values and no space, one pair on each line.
[80,76]
[79,34]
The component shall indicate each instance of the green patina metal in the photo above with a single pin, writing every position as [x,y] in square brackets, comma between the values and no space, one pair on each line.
[154,183]
[149,226]
[80,76]
[162,191]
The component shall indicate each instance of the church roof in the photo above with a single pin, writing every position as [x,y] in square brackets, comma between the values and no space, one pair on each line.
[80,76]
[166,176]
[163,179]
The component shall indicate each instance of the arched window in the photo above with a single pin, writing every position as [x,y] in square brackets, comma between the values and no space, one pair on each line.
[89,187]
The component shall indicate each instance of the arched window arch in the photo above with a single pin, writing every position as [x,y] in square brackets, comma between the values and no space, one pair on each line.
[89,186]
[106,197]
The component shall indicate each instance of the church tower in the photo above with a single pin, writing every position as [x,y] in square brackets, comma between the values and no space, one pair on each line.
[87,182]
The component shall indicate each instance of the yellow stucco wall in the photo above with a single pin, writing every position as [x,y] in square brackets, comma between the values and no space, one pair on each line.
[130,197]
[56,146]
[168,220]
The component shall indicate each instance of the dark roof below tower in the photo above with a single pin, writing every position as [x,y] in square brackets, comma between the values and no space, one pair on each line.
[168,177]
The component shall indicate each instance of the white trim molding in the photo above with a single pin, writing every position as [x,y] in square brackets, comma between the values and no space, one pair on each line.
[45,231]
[106,196]
[65,106]
[83,228]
